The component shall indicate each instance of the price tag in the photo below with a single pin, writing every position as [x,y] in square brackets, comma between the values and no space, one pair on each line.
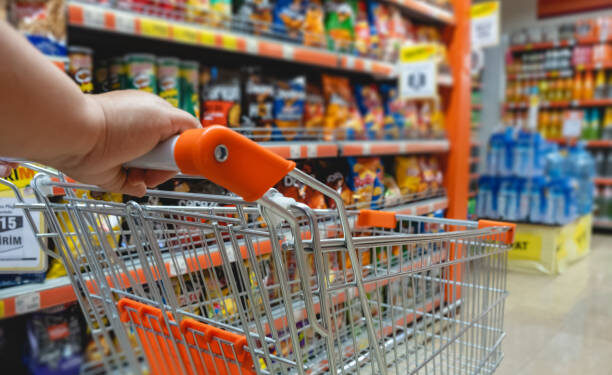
[179,267]
[18,245]
[311,150]
[295,151]
[26,303]
[572,123]
[124,23]
[185,34]
[154,28]
[93,17]
[484,24]
[418,72]
[526,246]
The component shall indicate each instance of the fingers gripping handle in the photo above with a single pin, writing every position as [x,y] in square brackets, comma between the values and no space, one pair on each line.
[222,156]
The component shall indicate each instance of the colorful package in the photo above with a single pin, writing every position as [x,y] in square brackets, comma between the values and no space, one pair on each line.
[408,174]
[189,86]
[289,18]
[259,102]
[221,12]
[341,111]
[290,188]
[220,97]
[43,22]
[431,172]
[340,26]
[314,24]
[380,26]
[168,80]
[313,198]
[288,106]
[394,121]
[116,73]
[399,31]
[371,108]
[392,194]
[80,67]
[140,72]
[336,181]
[364,181]
[101,77]
[362,28]
[255,16]
[314,110]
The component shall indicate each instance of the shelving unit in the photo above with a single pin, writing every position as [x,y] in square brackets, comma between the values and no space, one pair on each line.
[562,104]
[562,43]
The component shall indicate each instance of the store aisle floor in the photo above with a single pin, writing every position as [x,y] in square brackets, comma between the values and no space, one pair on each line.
[561,325]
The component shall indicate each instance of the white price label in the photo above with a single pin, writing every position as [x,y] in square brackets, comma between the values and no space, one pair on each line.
[93,17]
[311,150]
[18,245]
[26,303]
[484,24]
[295,151]
[418,80]
[572,123]
[124,23]
[179,267]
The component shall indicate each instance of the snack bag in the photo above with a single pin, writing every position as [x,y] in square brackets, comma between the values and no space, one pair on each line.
[259,102]
[290,188]
[362,28]
[340,26]
[313,198]
[408,174]
[221,12]
[43,22]
[432,173]
[255,16]
[364,181]
[392,194]
[424,122]
[394,121]
[398,33]
[371,108]
[337,182]
[314,24]
[288,106]
[289,18]
[314,110]
[220,97]
[379,21]
[341,111]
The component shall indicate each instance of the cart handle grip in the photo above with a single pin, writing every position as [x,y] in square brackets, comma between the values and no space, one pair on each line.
[507,237]
[221,155]
[373,218]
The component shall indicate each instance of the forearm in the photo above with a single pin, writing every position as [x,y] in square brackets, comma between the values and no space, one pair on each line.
[43,115]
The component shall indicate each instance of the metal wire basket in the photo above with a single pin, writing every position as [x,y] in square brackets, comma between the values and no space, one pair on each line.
[266,285]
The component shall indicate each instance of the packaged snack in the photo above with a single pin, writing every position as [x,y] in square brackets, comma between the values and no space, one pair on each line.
[116,73]
[43,22]
[259,102]
[424,122]
[399,33]
[371,108]
[189,87]
[101,82]
[220,97]
[341,111]
[340,26]
[168,79]
[314,24]
[380,27]
[54,341]
[393,194]
[431,172]
[289,18]
[314,110]
[364,181]
[362,28]
[220,14]
[336,181]
[313,198]
[80,67]
[408,174]
[255,16]
[140,72]
[290,187]
[289,106]
[395,121]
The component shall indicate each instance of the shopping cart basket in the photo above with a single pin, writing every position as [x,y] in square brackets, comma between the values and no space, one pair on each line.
[256,283]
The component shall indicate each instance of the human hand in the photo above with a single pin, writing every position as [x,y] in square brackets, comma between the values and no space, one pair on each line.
[126,124]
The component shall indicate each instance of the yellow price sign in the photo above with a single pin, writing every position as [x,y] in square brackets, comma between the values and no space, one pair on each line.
[185,34]
[419,52]
[485,9]
[154,28]
[21,177]
[207,38]
[527,246]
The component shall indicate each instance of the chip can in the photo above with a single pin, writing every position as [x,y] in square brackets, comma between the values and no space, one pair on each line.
[188,77]
[168,79]
[116,73]
[81,66]
[101,77]
[140,72]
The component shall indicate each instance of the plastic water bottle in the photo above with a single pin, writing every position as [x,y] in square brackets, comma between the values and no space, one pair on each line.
[524,154]
[523,198]
[536,199]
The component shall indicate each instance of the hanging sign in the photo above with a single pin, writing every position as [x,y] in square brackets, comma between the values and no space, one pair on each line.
[418,70]
[484,24]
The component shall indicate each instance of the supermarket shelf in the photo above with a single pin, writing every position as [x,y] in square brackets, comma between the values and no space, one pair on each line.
[27,298]
[562,104]
[113,20]
[562,43]
[595,66]
[364,148]
[302,150]
[540,74]
[599,143]
[427,10]
[603,181]
[602,224]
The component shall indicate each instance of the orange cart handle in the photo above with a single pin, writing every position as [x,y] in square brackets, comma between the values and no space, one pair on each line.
[508,237]
[221,155]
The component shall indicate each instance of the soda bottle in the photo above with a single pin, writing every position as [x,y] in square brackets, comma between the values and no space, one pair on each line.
[587,86]
[606,131]
[577,89]
[600,85]
[568,89]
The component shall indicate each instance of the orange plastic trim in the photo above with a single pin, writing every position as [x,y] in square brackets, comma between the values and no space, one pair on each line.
[373,218]
[249,170]
[508,237]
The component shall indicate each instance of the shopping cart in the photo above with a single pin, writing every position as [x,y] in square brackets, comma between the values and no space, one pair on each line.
[256,283]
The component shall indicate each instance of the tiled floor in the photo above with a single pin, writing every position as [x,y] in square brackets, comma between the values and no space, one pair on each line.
[561,325]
